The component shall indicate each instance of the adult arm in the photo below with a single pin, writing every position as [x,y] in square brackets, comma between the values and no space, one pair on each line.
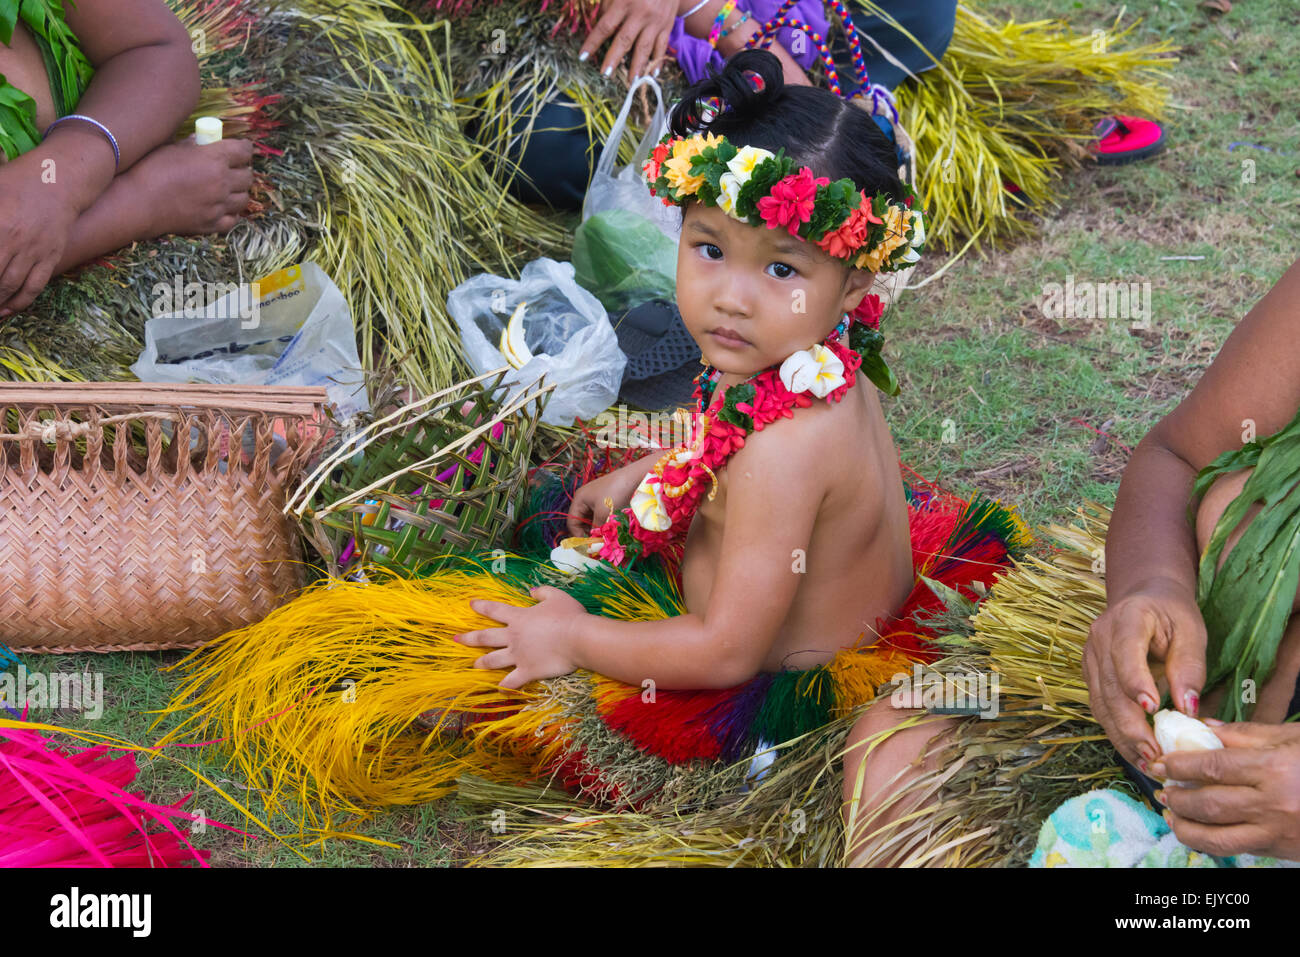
[1253,385]
[146,82]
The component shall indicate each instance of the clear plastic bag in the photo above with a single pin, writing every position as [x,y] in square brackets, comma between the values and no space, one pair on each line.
[626,190]
[566,331]
[292,327]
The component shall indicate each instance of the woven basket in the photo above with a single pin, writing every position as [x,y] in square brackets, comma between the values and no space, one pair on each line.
[115,541]
[446,473]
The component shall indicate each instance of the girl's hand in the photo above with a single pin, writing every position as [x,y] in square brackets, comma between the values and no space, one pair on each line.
[645,23]
[1159,622]
[1249,799]
[36,222]
[535,641]
[588,508]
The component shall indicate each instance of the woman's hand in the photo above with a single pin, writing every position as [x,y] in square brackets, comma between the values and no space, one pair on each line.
[36,221]
[536,641]
[1159,621]
[1249,798]
[194,190]
[642,26]
[588,508]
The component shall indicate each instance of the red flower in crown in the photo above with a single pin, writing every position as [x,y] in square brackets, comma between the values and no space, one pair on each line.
[790,204]
[653,164]
[843,242]
[868,311]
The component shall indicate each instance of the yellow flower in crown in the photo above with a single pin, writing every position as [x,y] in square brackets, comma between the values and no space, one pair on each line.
[678,169]
[896,222]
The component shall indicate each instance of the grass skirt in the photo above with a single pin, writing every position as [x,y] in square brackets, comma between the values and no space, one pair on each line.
[354,696]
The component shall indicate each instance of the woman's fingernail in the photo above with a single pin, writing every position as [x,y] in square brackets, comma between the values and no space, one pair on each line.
[1143,767]
[1160,796]
[582,57]
[1169,818]
[1147,702]
[1193,701]
[608,70]
[1214,722]
[655,73]
[1147,751]
[1158,770]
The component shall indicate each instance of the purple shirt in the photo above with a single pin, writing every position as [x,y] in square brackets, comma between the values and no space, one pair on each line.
[694,55]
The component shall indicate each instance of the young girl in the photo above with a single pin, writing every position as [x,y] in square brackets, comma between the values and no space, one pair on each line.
[801,552]
[90,99]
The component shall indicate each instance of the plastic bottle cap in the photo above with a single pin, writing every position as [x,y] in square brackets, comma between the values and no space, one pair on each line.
[207,129]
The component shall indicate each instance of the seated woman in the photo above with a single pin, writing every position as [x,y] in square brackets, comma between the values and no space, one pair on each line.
[90,99]
[1202,600]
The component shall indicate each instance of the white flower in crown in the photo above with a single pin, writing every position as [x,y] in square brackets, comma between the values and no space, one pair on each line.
[918,230]
[816,370]
[728,191]
[648,505]
[746,158]
[739,169]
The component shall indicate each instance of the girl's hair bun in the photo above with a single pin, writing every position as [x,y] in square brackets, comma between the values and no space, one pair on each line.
[833,137]
[749,83]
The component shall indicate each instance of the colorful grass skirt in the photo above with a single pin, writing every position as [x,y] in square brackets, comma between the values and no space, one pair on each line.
[354,696]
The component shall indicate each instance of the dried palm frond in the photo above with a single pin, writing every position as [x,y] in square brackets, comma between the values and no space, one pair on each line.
[352,105]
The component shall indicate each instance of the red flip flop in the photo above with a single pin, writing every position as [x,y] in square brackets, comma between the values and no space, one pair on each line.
[1126,139]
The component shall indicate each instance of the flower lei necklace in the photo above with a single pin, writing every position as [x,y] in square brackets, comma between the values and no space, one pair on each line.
[667,499]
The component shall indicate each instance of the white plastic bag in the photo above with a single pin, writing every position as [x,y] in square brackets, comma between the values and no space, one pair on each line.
[566,330]
[292,327]
[626,190]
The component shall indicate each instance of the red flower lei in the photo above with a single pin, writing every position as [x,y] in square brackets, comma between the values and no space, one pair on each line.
[685,475]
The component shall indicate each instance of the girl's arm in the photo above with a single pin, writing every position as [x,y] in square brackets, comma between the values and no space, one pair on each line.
[771,509]
[146,82]
[1253,386]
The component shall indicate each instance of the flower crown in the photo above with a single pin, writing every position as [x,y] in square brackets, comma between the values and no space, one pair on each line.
[758,187]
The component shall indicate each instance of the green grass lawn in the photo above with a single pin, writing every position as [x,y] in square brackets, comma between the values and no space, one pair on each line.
[996,396]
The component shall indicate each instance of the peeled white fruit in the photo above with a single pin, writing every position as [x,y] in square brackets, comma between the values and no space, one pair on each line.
[514,345]
[1175,731]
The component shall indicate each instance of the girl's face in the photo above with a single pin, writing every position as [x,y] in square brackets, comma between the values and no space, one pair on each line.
[752,296]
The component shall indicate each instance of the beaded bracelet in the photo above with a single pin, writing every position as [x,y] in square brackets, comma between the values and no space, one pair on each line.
[117,153]
[719,20]
[743,17]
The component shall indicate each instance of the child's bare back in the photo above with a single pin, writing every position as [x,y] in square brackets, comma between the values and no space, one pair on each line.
[856,566]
